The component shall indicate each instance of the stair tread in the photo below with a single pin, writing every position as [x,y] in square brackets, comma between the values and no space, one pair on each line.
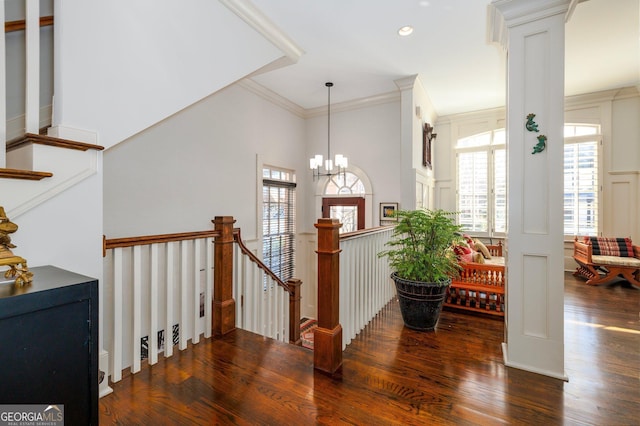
[51,141]
[23,174]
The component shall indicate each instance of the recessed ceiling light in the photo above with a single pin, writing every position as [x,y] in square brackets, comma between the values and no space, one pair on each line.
[405,31]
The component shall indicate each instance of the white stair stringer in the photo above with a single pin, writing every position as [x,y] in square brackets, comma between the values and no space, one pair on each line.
[68,166]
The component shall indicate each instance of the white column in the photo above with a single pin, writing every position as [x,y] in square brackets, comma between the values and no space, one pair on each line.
[533,34]
[408,176]
[32,95]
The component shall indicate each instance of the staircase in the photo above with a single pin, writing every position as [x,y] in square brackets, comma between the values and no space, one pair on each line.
[114,74]
[57,162]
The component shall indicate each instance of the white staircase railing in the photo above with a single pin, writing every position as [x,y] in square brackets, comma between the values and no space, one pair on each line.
[156,295]
[365,285]
[262,306]
[158,292]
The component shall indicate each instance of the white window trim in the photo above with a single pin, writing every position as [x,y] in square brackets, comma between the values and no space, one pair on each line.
[490,149]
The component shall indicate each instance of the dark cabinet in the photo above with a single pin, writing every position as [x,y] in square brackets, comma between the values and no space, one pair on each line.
[49,343]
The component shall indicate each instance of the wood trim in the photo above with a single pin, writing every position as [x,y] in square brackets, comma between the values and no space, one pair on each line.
[223,315]
[51,141]
[245,250]
[327,350]
[361,232]
[154,239]
[23,174]
[358,202]
[20,25]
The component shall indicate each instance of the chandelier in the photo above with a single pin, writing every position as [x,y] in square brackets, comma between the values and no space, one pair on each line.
[327,168]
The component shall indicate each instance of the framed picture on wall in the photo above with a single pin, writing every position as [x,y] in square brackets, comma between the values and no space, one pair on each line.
[427,137]
[388,212]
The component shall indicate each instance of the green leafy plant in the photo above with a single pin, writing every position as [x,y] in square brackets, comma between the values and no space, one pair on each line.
[421,247]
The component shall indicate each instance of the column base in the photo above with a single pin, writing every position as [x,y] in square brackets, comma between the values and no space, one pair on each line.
[224,317]
[327,349]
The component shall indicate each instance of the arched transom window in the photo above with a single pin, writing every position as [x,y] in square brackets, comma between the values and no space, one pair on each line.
[345,183]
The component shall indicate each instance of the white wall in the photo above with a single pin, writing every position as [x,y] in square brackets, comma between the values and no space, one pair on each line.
[370,137]
[123,66]
[177,175]
[65,231]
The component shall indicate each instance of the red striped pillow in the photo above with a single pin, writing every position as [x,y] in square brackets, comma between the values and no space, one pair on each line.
[602,246]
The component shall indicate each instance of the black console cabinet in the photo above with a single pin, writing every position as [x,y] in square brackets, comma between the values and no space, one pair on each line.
[49,343]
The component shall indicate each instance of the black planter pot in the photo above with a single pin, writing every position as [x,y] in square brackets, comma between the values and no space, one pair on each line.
[420,302]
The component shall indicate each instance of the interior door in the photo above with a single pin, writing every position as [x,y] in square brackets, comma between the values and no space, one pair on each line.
[348,210]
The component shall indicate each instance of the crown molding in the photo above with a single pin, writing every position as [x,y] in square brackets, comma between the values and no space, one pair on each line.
[519,12]
[297,110]
[406,83]
[576,101]
[272,97]
[257,20]
[355,104]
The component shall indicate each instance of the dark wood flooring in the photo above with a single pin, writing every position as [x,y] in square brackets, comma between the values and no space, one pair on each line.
[392,375]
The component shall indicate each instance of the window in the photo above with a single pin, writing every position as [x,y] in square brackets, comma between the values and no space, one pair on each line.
[581,183]
[342,205]
[482,183]
[278,221]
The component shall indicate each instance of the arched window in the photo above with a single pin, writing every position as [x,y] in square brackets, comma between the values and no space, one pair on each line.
[346,183]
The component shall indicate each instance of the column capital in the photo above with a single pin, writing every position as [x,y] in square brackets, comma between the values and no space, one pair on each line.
[504,14]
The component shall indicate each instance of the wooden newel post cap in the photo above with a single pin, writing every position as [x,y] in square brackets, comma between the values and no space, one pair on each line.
[328,233]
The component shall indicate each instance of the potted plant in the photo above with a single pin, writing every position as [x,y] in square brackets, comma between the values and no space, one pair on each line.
[423,261]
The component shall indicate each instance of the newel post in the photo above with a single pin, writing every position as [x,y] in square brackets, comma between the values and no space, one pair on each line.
[327,350]
[224,307]
[294,310]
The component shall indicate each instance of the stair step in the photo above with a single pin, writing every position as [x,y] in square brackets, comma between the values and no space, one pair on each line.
[23,174]
[51,141]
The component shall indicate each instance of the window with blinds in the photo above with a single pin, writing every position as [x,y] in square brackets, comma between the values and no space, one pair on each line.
[481,183]
[581,183]
[278,221]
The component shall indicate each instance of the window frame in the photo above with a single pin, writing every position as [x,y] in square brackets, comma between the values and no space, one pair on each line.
[598,139]
[490,148]
[281,179]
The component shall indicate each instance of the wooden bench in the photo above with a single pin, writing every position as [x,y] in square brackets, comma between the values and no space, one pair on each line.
[599,269]
[480,286]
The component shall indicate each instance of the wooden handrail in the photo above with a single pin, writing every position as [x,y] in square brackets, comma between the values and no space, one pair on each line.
[367,231]
[224,320]
[155,239]
[20,25]
[245,250]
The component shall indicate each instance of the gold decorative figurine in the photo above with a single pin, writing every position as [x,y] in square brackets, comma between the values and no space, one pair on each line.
[17,265]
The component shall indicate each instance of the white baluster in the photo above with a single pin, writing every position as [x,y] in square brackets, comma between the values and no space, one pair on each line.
[153,326]
[116,350]
[137,308]
[184,299]
[197,271]
[208,292]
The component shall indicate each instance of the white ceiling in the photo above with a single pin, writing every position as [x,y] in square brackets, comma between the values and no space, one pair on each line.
[354,43]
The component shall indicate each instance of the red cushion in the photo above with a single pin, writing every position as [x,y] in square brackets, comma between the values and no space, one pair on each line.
[464,253]
[602,246]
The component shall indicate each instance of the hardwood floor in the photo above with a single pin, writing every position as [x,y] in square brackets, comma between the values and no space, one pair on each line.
[392,375]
